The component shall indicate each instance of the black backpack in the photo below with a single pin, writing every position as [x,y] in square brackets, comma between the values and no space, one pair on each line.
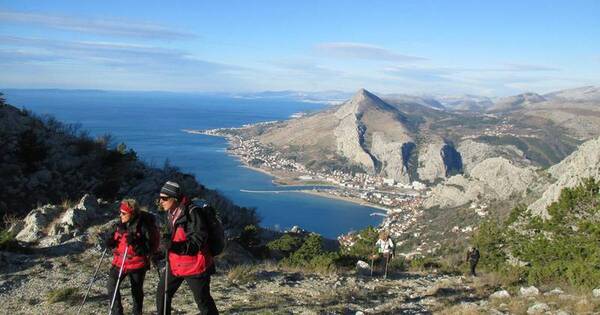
[216,232]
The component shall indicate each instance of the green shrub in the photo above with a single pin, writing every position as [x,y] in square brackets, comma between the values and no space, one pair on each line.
[8,242]
[364,245]
[424,263]
[560,250]
[286,245]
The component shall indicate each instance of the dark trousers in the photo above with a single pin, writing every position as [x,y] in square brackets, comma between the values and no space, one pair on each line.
[136,278]
[473,265]
[199,285]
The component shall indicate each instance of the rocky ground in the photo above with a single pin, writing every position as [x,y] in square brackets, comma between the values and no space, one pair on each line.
[38,283]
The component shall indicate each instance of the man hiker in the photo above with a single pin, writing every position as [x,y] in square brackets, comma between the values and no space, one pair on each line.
[385,246]
[132,244]
[473,259]
[188,256]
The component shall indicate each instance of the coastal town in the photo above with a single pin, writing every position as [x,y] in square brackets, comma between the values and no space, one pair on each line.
[401,202]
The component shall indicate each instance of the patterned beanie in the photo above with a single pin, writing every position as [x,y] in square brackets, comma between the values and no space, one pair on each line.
[171,189]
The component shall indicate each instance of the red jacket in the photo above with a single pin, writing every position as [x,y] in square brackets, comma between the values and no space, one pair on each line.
[190,232]
[134,260]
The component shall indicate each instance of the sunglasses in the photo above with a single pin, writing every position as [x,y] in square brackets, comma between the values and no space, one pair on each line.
[123,213]
[162,198]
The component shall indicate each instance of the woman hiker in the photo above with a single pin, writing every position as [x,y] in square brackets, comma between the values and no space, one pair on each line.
[132,244]
[188,255]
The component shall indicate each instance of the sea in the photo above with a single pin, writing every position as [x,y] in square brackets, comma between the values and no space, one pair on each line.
[152,123]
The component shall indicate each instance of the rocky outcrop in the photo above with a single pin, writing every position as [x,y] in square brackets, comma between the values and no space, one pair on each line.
[349,137]
[391,154]
[431,165]
[438,159]
[583,163]
[51,225]
[473,153]
[492,179]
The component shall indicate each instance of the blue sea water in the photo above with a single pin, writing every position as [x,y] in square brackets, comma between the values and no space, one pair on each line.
[151,123]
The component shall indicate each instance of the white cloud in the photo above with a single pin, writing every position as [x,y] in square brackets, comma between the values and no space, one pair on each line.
[363,51]
[113,27]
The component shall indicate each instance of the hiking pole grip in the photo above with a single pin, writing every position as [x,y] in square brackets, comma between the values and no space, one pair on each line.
[112,303]
[92,281]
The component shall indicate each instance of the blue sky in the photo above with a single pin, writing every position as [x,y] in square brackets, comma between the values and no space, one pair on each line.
[416,47]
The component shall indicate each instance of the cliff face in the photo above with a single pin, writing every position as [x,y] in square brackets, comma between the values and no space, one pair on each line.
[492,179]
[473,153]
[583,163]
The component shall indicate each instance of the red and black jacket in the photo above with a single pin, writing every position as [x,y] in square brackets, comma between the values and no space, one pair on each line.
[138,246]
[189,254]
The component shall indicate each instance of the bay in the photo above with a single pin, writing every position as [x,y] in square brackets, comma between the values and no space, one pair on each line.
[151,123]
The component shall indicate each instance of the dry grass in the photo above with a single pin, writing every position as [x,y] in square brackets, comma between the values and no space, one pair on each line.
[464,309]
[242,274]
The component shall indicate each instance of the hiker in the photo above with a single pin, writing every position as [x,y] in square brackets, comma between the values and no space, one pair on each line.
[473,259]
[384,247]
[132,235]
[188,256]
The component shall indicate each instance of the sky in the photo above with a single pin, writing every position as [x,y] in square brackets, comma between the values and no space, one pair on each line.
[492,48]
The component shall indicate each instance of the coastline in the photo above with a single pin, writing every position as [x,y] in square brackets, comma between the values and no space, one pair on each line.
[277,180]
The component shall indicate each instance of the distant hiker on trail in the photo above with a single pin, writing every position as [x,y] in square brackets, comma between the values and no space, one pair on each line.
[473,259]
[132,240]
[385,247]
[188,255]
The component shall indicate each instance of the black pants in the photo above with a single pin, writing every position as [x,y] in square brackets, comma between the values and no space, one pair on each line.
[136,278]
[199,285]
[473,265]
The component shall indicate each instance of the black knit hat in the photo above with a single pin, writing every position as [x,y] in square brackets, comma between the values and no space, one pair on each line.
[171,189]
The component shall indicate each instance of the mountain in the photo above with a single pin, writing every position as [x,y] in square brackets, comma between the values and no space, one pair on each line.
[515,102]
[466,102]
[369,134]
[582,94]
[581,164]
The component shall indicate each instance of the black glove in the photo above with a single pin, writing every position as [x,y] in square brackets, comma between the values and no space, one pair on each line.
[179,248]
[166,241]
[130,239]
[110,241]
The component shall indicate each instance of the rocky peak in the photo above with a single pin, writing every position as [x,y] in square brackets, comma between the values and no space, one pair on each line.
[361,102]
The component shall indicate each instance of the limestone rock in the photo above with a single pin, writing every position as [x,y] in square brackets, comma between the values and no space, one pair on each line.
[538,308]
[390,153]
[431,164]
[363,268]
[503,177]
[583,163]
[596,293]
[529,291]
[36,222]
[473,153]
[502,294]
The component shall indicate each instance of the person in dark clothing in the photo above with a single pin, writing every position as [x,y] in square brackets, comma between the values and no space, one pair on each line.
[133,233]
[187,253]
[473,259]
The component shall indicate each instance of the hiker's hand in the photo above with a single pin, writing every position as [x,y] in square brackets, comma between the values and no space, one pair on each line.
[110,242]
[178,248]
[130,239]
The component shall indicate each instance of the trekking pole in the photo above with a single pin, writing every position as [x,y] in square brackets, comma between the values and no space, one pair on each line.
[166,282]
[118,281]
[372,260]
[91,282]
